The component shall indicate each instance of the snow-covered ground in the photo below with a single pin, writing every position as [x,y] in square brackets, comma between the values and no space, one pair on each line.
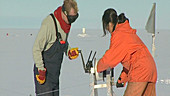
[16,62]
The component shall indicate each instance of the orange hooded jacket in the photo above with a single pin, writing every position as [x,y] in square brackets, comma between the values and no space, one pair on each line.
[127,48]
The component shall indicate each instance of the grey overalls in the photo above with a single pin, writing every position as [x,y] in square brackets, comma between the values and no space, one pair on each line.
[52,59]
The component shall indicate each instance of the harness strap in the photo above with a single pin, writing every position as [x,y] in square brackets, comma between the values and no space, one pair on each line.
[58,35]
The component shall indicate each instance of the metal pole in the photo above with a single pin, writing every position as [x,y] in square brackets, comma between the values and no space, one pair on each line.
[153,45]
[94,82]
[109,82]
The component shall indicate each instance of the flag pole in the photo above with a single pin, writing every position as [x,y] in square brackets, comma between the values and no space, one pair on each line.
[153,45]
[153,34]
[150,27]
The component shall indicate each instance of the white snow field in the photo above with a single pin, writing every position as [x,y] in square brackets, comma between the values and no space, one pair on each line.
[16,62]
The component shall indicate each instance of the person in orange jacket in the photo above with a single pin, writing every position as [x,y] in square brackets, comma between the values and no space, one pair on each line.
[139,68]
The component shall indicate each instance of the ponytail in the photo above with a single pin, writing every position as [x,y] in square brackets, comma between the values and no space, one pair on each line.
[122,18]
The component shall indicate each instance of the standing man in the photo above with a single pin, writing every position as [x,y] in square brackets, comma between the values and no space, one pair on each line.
[50,46]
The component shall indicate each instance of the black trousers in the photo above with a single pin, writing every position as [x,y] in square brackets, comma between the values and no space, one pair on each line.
[52,59]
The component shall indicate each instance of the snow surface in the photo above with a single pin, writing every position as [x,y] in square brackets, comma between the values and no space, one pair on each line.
[16,62]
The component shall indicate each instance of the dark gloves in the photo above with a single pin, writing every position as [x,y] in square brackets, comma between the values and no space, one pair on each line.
[123,78]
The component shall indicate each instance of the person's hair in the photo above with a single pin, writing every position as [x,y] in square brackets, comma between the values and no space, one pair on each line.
[110,15]
[68,4]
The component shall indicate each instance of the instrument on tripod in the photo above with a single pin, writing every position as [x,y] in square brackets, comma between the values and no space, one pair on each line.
[91,68]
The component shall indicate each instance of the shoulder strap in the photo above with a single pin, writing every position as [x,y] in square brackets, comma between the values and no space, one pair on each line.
[55,25]
[58,35]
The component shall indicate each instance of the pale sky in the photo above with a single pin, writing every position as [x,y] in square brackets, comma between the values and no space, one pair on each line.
[30,13]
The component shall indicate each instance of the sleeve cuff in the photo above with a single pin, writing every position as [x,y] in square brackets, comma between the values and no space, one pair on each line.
[40,66]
